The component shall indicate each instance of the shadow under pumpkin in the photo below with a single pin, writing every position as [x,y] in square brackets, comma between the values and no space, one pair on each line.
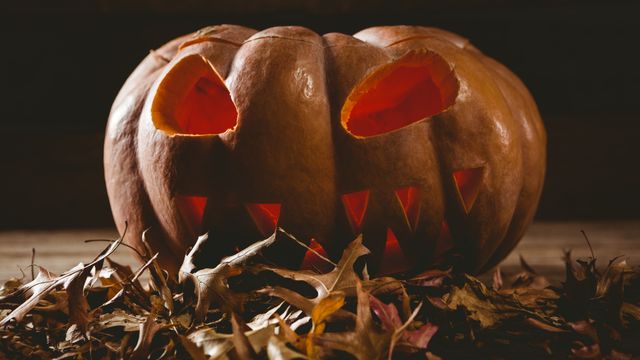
[409,95]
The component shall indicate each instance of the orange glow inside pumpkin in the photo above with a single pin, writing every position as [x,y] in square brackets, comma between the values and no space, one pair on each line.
[356,204]
[411,89]
[312,261]
[192,99]
[468,183]
[265,216]
[192,210]
[410,199]
[393,259]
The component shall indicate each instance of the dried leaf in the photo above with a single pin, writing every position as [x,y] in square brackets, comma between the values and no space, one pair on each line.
[217,346]
[157,276]
[78,305]
[474,298]
[148,330]
[420,337]
[211,284]
[278,350]
[242,346]
[120,318]
[320,313]
[388,315]
[367,341]
[38,288]
[342,278]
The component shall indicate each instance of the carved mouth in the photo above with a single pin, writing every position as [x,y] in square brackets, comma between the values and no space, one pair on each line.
[265,217]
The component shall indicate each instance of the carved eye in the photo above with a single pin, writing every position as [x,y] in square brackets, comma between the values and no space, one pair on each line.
[411,89]
[192,99]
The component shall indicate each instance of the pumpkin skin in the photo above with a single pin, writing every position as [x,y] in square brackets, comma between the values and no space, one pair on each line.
[408,135]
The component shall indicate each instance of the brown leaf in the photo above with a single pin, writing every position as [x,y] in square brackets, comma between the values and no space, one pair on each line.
[543,326]
[46,282]
[431,278]
[78,305]
[278,350]
[192,349]
[217,346]
[473,297]
[388,315]
[211,288]
[9,286]
[211,284]
[342,278]
[420,337]
[367,341]
[319,315]
[119,318]
[148,330]
[38,288]
[158,278]
[241,344]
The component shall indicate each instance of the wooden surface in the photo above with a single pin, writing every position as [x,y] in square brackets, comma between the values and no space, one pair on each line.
[542,247]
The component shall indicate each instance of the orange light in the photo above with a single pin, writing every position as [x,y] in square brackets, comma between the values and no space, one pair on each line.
[265,216]
[355,204]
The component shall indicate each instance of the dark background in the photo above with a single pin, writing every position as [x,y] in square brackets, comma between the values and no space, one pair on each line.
[62,63]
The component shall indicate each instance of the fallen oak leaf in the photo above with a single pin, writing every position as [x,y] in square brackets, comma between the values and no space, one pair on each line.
[119,318]
[210,285]
[157,275]
[420,337]
[288,335]
[122,275]
[388,315]
[78,304]
[278,350]
[41,286]
[430,278]
[474,298]
[242,345]
[218,346]
[366,341]
[46,282]
[342,278]
[147,331]
[142,298]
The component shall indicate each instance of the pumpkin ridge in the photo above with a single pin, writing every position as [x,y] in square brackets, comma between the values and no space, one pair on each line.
[290,146]
[208,39]
[263,37]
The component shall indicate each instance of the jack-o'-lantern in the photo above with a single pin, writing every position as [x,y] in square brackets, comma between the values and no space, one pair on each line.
[409,136]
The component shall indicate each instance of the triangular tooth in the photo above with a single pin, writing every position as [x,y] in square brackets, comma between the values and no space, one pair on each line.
[444,243]
[410,200]
[355,204]
[468,182]
[312,261]
[192,209]
[265,216]
[393,258]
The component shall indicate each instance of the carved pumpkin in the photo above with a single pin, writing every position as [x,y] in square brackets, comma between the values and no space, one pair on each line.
[408,135]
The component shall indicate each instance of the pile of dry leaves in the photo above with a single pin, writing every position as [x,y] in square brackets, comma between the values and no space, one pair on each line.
[245,308]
